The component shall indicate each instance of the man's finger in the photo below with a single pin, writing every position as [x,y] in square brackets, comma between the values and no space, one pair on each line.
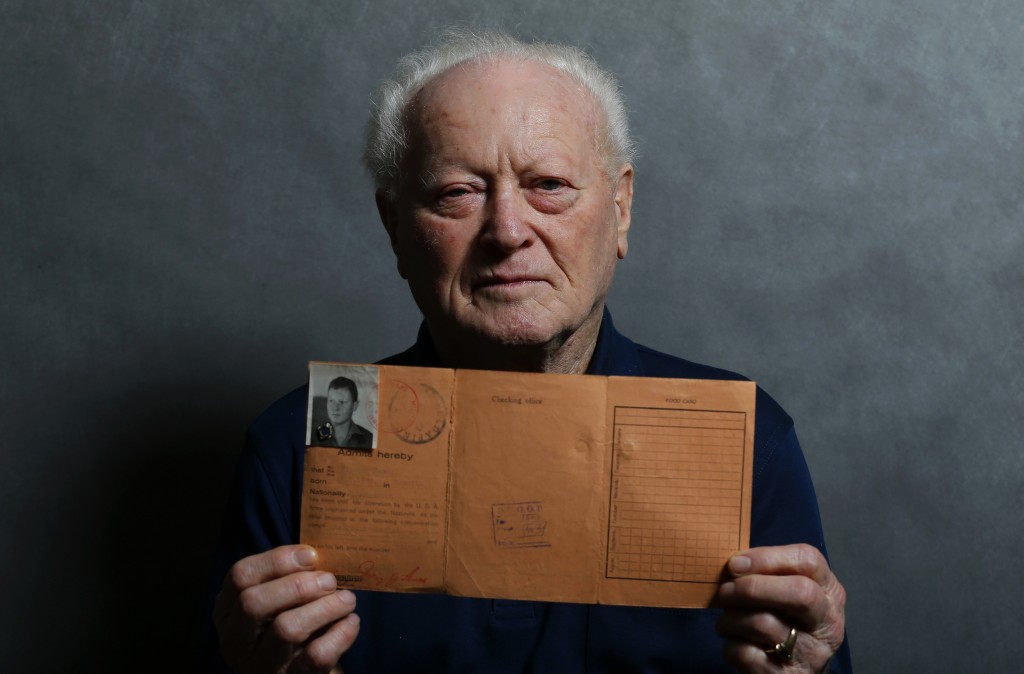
[323,652]
[796,596]
[298,625]
[285,638]
[747,657]
[759,627]
[269,565]
[784,560]
[262,602]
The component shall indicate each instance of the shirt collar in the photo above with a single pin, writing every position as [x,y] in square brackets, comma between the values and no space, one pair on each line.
[614,355]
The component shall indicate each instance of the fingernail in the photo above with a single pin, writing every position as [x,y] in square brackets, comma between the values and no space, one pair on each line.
[347,596]
[740,564]
[727,590]
[327,581]
[304,556]
[352,619]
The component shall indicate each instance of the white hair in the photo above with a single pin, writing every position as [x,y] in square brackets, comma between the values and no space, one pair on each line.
[387,137]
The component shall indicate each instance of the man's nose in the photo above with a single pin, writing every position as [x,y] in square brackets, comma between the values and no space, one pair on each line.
[507,226]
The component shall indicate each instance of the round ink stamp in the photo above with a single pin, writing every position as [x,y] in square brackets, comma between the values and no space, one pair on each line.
[417,413]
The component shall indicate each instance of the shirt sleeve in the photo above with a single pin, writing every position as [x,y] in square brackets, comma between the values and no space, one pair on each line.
[785,510]
[259,516]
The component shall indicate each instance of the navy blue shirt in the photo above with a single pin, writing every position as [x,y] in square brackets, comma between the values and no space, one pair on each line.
[437,633]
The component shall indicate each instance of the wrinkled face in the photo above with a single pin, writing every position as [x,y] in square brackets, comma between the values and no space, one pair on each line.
[506,223]
[340,406]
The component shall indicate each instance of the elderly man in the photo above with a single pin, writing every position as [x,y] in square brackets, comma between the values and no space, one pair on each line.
[504,181]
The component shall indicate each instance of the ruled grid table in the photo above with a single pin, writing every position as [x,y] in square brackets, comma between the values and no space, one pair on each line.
[676,493]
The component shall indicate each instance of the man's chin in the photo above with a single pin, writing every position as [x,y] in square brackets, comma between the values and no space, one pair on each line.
[501,330]
[518,330]
[491,332]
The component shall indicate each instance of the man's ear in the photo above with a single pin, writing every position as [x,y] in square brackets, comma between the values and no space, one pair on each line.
[623,207]
[389,218]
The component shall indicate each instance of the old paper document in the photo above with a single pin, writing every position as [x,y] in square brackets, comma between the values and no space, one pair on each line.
[378,517]
[575,488]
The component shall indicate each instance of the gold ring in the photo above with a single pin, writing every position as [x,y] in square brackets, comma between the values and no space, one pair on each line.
[784,649]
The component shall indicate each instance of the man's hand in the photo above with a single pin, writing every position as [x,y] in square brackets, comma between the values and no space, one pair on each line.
[773,590]
[276,614]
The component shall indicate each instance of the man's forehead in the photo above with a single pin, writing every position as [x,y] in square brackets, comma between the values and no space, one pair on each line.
[497,68]
[502,91]
[526,79]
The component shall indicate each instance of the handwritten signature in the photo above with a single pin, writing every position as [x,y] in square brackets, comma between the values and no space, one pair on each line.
[390,580]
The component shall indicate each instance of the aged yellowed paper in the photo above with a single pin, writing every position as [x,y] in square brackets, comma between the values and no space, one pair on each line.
[544,487]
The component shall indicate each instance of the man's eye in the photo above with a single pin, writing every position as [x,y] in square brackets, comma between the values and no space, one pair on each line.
[453,193]
[549,184]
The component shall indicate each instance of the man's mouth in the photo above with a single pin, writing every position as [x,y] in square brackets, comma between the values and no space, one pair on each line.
[499,281]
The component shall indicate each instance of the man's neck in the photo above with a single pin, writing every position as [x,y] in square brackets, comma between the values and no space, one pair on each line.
[341,431]
[565,354]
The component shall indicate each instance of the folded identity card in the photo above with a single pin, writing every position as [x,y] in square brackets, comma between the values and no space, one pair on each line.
[542,487]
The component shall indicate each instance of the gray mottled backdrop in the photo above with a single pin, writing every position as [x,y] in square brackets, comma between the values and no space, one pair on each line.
[828,199]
